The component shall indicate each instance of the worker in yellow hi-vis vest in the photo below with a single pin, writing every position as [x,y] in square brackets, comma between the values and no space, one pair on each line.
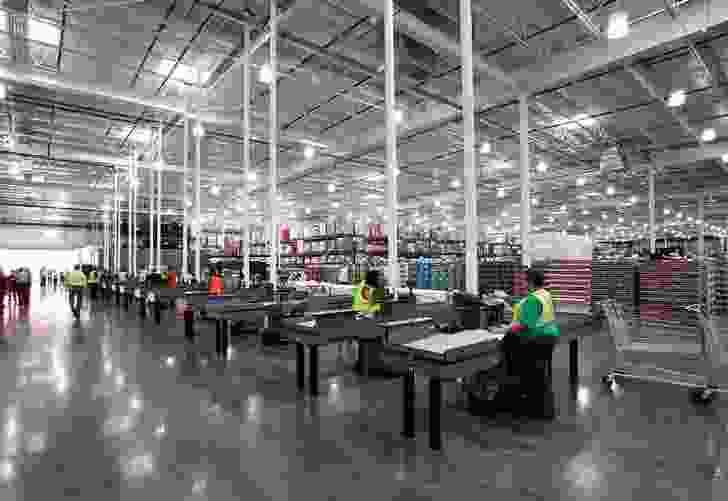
[367,296]
[77,283]
[528,348]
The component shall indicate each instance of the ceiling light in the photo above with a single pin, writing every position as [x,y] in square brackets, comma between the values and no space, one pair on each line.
[725,158]
[486,148]
[308,211]
[610,190]
[666,211]
[3,91]
[455,183]
[679,215]
[198,130]
[335,205]
[585,212]
[501,193]
[309,152]
[618,24]
[534,201]
[563,208]
[188,203]
[215,190]
[398,116]
[504,214]
[633,199]
[252,177]
[265,75]
[542,166]
[580,181]
[620,220]
[585,120]
[374,178]
[676,99]
[437,203]
[50,233]
[604,216]
[38,179]
[708,135]
[332,187]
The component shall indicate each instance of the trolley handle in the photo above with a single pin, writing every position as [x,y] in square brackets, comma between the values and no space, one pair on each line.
[695,308]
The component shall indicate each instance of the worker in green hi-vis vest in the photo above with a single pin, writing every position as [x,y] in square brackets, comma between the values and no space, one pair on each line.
[367,296]
[527,349]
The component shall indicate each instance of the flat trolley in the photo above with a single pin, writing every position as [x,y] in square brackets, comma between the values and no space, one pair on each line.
[634,356]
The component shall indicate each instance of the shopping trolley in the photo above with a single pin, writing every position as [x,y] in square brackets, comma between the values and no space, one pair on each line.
[706,350]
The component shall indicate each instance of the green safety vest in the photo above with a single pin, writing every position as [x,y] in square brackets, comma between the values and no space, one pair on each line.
[359,302]
[536,313]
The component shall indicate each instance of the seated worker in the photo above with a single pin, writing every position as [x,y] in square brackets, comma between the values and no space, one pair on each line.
[215,286]
[527,349]
[367,297]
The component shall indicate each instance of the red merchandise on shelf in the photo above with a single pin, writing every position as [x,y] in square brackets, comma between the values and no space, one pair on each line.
[232,248]
[285,233]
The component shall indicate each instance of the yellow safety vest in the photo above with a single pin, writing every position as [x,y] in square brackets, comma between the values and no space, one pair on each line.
[92,278]
[362,304]
[77,279]
[547,325]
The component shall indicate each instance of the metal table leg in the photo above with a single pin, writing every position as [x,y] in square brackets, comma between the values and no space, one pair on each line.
[313,372]
[435,414]
[142,308]
[189,327]
[574,362]
[224,338]
[408,414]
[157,311]
[126,301]
[300,365]
[218,336]
[363,362]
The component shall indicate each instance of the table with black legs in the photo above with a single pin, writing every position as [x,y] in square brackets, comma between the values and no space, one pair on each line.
[323,328]
[463,361]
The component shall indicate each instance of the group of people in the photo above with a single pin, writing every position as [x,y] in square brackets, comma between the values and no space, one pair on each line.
[15,287]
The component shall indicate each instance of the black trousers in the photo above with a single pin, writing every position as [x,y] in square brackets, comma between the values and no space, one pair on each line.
[75,297]
[527,362]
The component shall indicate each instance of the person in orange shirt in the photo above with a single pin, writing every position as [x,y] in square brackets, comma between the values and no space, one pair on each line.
[215,286]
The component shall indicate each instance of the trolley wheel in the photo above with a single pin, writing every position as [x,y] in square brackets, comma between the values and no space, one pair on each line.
[609,379]
[703,395]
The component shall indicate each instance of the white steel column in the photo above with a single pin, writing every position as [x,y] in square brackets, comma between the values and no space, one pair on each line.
[150,264]
[185,254]
[701,225]
[128,218]
[273,138]
[246,164]
[470,172]
[135,192]
[391,153]
[160,166]
[198,203]
[116,221]
[525,182]
[651,208]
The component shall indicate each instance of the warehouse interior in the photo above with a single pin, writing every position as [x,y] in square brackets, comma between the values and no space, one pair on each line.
[283,150]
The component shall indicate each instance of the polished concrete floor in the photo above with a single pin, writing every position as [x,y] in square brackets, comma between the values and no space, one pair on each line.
[113,407]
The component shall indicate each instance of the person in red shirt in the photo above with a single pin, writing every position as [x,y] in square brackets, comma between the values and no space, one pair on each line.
[215,285]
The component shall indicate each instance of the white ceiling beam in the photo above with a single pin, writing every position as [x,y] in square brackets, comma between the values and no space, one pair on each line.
[432,37]
[648,34]
[687,156]
[652,32]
